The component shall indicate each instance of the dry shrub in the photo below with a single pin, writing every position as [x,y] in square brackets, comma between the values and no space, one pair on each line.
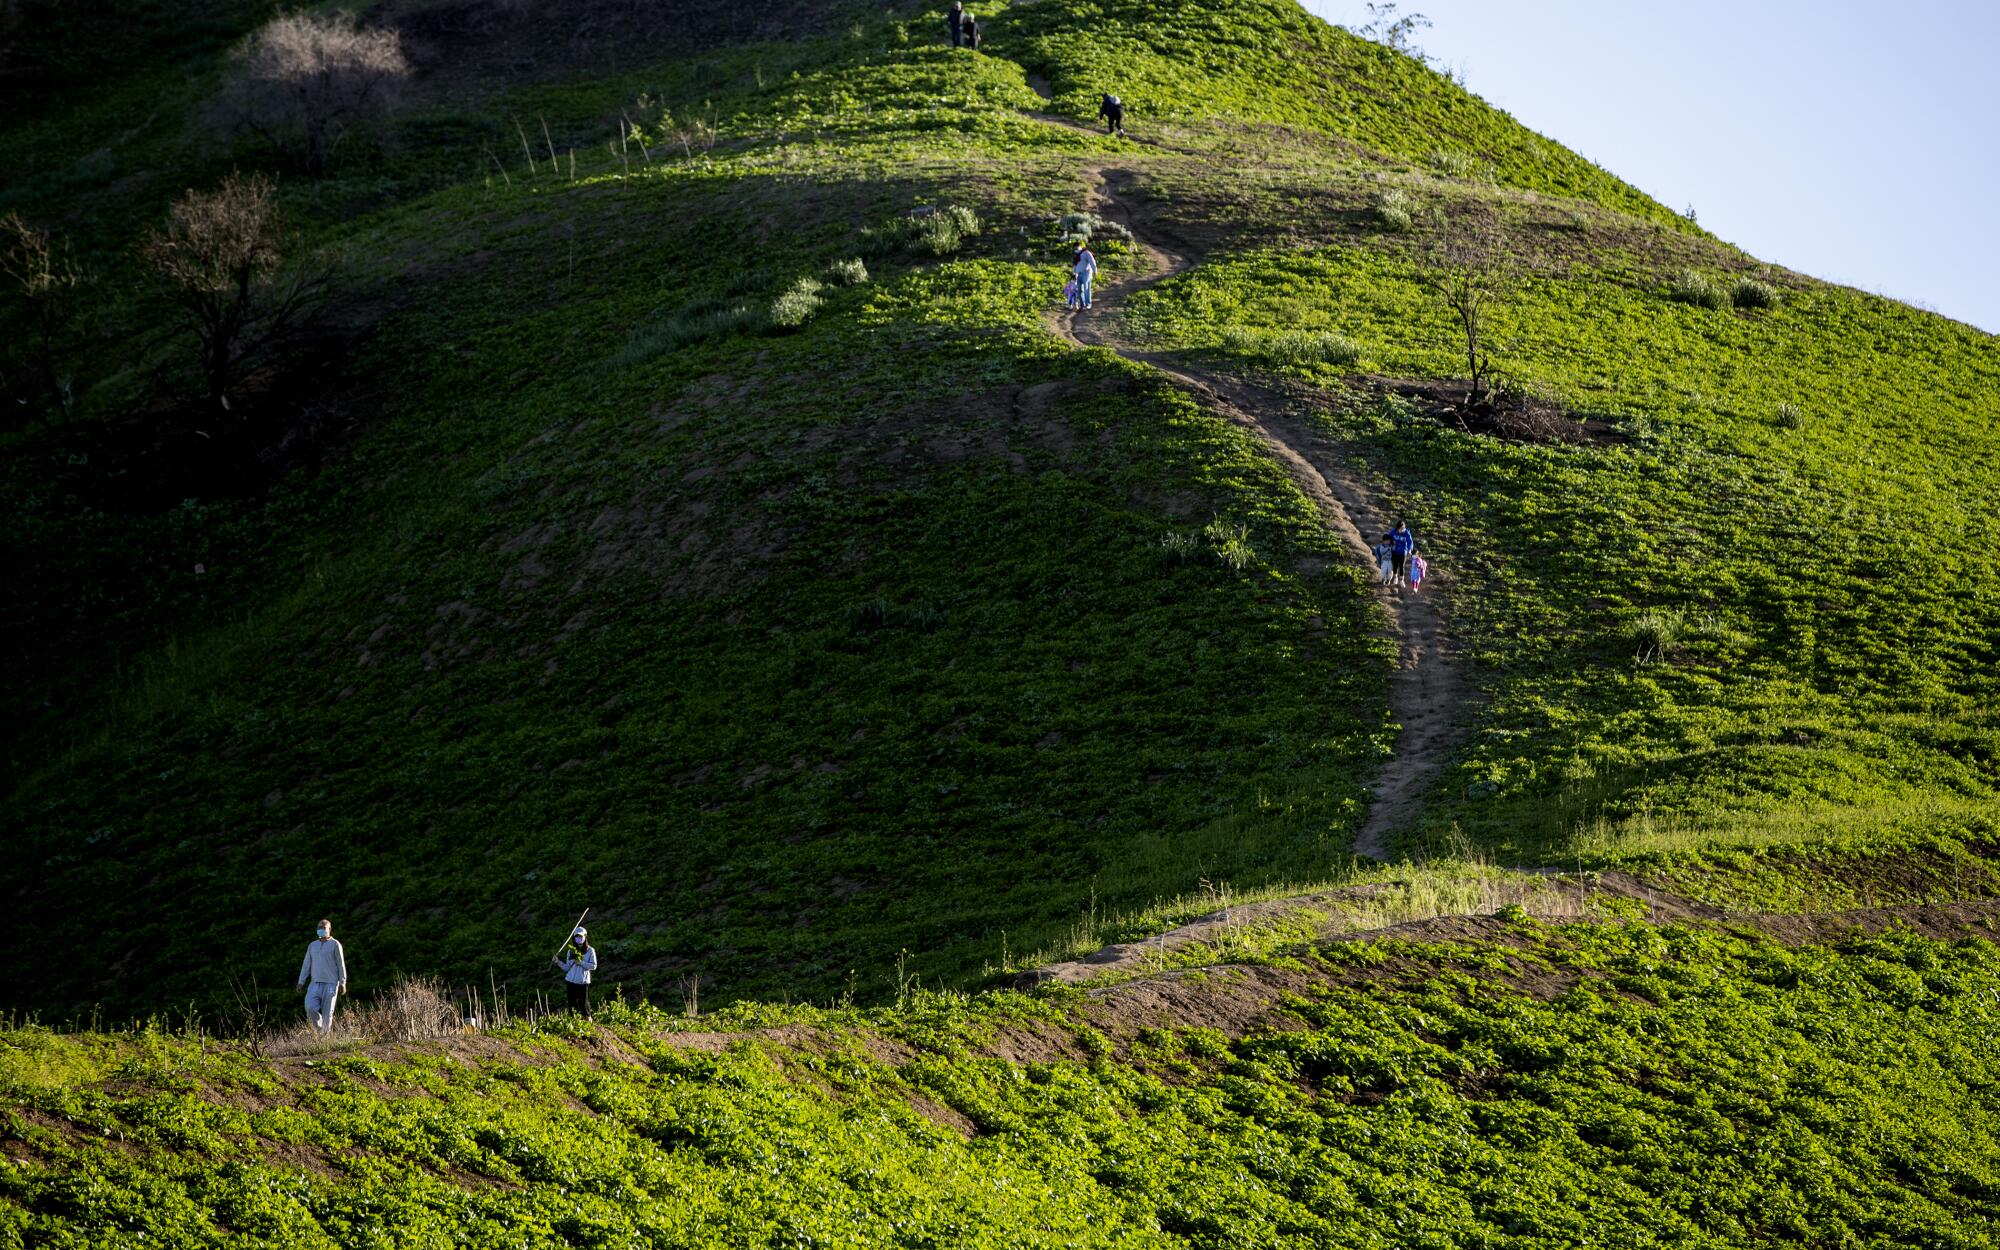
[223,257]
[304,81]
[411,1010]
[39,269]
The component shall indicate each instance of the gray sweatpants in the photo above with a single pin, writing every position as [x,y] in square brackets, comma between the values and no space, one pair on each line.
[320,997]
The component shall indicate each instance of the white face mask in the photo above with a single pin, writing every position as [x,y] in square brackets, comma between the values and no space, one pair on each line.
[323,930]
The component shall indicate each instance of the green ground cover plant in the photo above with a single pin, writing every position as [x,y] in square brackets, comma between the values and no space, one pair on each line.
[1610,1082]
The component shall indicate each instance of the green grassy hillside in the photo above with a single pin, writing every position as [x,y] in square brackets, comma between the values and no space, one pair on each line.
[918,630]
[716,527]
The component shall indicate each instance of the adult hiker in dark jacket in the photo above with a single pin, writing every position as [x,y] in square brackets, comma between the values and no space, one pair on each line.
[578,961]
[1401,543]
[969,31]
[1112,110]
[954,22]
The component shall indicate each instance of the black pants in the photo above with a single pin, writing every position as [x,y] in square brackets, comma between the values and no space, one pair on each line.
[957,37]
[1114,122]
[579,999]
[1400,562]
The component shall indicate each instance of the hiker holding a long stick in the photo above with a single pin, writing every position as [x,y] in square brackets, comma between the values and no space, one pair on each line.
[578,959]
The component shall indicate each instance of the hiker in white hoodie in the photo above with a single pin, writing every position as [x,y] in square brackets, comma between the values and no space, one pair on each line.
[323,977]
[578,960]
[1085,269]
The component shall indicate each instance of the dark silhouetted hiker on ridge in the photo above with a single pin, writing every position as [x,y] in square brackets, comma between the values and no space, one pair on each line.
[1112,110]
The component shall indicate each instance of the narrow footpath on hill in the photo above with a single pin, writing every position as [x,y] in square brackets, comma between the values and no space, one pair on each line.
[1425,694]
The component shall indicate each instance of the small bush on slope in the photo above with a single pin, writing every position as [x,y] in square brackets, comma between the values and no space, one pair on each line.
[796,305]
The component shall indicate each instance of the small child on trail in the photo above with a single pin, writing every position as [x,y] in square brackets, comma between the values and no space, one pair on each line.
[1418,567]
[1382,562]
[1069,292]
[1112,110]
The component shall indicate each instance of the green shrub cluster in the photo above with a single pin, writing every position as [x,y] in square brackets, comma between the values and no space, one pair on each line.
[847,272]
[1691,286]
[795,305]
[1395,212]
[940,231]
[1752,293]
[1085,227]
[706,318]
[1446,163]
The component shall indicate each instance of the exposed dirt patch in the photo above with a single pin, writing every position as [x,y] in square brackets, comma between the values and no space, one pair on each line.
[1518,417]
[1550,897]
[1235,1001]
[943,1116]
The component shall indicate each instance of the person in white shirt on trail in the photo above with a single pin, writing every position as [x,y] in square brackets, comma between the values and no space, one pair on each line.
[323,977]
[1085,269]
[578,960]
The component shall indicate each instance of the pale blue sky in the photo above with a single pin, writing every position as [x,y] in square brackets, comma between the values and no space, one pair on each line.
[1857,143]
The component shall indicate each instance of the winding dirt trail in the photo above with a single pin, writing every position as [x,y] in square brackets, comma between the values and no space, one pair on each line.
[1425,695]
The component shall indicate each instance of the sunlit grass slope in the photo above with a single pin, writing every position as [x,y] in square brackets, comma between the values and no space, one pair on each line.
[914,630]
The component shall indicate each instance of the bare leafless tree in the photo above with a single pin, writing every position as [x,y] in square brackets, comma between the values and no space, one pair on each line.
[41,273]
[304,81]
[223,256]
[1466,264]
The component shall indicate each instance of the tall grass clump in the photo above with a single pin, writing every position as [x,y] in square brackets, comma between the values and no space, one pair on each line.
[1179,546]
[1394,212]
[1089,227]
[1229,544]
[1691,286]
[1659,635]
[932,232]
[1297,348]
[694,322]
[847,272]
[798,304]
[1751,293]
[1791,416]
[1449,164]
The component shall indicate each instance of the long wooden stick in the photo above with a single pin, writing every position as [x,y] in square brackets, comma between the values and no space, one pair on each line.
[572,931]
